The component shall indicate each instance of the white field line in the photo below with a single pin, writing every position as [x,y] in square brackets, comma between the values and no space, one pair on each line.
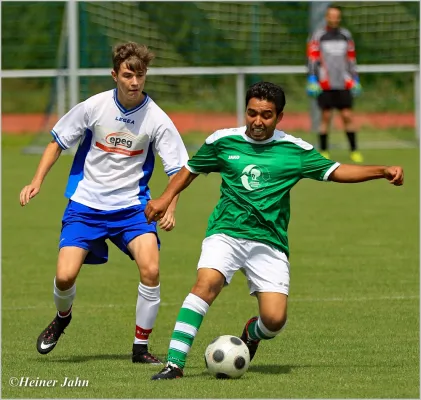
[292,300]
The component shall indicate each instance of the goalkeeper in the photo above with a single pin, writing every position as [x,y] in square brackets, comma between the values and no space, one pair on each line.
[333,78]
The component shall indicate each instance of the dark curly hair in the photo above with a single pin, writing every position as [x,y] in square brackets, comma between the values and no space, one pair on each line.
[267,91]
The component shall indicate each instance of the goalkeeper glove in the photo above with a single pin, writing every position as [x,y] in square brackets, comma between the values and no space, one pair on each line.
[313,87]
[356,87]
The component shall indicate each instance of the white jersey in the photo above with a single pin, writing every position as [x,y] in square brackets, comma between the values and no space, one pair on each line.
[117,148]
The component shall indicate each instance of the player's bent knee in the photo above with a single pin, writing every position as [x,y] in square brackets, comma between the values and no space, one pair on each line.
[64,281]
[149,274]
[346,116]
[66,275]
[207,293]
[207,290]
[274,322]
[70,260]
[326,115]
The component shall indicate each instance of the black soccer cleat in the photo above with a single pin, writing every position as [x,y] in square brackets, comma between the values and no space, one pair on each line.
[170,371]
[251,344]
[49,337]
[140,354]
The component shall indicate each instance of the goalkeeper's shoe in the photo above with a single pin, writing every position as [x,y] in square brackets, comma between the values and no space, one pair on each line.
[356,157]
[140,354]
[325,154]
[49,337]
[250,343]
[170,371]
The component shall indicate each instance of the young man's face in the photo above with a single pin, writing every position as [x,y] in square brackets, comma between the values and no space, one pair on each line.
[333,17]
[261,119]
[130,84]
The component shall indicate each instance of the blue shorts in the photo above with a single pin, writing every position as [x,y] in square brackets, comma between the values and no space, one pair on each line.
[88,228]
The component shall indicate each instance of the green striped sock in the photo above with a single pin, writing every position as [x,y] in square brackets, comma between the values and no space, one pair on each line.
[186,327]
[257,331]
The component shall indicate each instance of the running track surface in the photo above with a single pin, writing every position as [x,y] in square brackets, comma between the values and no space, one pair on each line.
[210,122]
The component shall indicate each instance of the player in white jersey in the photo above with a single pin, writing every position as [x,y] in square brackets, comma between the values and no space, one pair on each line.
[119,133]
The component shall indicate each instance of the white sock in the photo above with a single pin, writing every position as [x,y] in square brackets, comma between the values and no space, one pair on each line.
[196,304]
[147,307]
[63,299]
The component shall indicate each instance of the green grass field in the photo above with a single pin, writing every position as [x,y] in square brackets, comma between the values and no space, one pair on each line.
[353,329]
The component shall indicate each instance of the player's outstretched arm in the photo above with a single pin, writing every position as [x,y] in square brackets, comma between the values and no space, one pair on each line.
[348,173]
[156,209]
[167,222]
[50,156]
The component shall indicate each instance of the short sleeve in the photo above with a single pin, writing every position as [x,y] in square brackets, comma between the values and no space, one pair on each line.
[204,161]
[170,147]
[315,166]
[71,127]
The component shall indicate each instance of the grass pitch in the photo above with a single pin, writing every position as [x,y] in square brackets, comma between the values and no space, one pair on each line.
[353,328]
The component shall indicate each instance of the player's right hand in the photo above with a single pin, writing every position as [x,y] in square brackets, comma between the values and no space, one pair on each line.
[27,193]
[313,86]
[156,209]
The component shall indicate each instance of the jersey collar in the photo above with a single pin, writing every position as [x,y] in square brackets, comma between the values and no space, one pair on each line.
[126,111]
[276,136]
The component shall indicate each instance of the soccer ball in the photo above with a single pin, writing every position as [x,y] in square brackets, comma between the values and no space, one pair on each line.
[227,357]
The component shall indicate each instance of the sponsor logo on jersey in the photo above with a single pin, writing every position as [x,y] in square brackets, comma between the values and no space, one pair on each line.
[334,47]
[120,142]
[254,177]
[125,120]
[233,157]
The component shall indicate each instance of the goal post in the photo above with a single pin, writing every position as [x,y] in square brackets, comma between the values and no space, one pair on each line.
[207,52]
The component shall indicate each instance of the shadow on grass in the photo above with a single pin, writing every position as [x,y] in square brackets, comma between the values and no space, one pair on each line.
[272,369]
[92,357]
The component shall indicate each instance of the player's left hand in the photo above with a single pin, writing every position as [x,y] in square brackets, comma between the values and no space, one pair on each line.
[356,89]
[167,222]
[394,175]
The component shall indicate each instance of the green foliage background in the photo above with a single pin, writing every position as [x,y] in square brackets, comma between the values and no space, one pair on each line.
[204,34]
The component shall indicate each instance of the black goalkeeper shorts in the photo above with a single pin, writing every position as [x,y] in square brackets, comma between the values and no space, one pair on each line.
[338,99]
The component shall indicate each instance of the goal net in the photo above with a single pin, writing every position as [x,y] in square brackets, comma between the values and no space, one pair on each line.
[197,34]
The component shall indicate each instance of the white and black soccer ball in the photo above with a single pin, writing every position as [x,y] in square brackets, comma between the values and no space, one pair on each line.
[227,357]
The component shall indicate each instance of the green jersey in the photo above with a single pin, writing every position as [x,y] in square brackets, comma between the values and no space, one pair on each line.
[257,177]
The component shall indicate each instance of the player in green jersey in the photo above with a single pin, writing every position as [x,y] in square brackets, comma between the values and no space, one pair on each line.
[247,230]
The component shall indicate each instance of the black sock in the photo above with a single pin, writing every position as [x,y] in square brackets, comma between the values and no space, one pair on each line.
[352,140]
[323,141]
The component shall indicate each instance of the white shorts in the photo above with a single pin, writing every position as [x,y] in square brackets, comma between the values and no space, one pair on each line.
[266,269]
